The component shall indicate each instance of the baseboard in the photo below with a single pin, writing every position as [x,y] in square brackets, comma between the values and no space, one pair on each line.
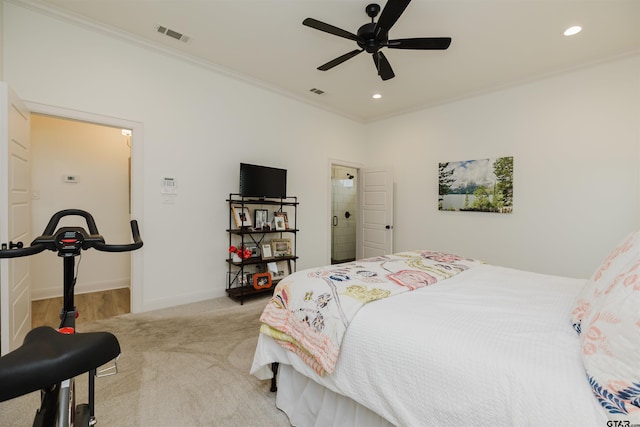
[81,288]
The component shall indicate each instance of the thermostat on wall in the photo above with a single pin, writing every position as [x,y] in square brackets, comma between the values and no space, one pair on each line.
[71,178]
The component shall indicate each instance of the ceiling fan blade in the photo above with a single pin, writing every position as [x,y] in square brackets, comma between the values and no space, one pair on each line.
[339,60]
[425,43]
[382,64]
[390,14]
[314,23]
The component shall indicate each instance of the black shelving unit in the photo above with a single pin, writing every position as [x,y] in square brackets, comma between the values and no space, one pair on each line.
[237,288]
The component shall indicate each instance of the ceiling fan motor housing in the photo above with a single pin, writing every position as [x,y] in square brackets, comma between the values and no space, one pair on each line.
[367,38]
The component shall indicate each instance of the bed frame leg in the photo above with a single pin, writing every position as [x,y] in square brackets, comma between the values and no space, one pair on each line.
[274,369]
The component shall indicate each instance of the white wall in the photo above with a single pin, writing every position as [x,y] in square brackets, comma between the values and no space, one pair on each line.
[99,157]
[1,42]
[198,126]
[576,146]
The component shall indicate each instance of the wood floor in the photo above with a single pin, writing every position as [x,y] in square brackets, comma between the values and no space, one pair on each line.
[91,307]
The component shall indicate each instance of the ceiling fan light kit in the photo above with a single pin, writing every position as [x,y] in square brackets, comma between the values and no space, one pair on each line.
[373,36]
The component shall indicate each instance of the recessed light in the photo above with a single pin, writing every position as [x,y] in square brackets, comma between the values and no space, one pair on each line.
[571,31]
[376,96]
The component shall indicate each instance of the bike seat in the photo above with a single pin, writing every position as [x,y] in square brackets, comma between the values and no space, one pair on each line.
[47,357]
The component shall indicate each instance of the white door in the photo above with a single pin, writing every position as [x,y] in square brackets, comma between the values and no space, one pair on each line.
[15,219]
[375,225]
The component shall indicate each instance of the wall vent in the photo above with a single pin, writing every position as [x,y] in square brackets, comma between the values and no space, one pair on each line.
[316,91]
[172,33]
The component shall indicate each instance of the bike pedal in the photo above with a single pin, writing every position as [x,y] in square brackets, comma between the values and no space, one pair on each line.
[110,370]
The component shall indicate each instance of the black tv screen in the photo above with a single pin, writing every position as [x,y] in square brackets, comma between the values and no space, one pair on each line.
[262,181]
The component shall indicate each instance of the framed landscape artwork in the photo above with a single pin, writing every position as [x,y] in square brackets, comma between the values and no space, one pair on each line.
[484,185]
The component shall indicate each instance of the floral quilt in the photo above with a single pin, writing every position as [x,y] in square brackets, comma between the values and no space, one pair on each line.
[311,309]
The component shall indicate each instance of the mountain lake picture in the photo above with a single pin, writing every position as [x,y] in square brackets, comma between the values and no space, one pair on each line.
[484,185]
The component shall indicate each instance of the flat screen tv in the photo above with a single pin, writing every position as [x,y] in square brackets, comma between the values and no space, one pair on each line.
[262,181]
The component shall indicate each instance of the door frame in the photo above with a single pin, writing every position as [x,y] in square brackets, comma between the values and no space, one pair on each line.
[332,163]
[137,137]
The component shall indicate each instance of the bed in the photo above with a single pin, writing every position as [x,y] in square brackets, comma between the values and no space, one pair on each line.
[424,338]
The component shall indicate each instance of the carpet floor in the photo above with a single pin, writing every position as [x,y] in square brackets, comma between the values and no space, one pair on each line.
[183,366]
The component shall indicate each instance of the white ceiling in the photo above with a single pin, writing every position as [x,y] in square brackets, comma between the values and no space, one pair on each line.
[496,43]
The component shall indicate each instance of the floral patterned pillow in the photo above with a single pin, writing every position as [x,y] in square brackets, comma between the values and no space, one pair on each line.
[611,345]
[626,252]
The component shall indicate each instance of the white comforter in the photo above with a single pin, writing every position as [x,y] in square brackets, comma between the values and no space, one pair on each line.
[490,347]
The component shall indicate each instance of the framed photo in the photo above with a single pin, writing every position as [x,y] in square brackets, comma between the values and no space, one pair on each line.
[281,247]
[283,215]
[262,280]
[247,280]
[279,221]
[279,269]
[241,216]
[272,267]
[260,218]
[255,250]
[266,251]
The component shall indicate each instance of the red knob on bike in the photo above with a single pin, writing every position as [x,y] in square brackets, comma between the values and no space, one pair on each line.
[68,330]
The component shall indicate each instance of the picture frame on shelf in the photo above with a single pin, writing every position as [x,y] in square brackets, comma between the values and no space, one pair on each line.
[246,279]
[241,216]
[272,267]
[260,218]
[265,250]
[255,250]
[284,215]
[281,247]
[280,269]
[279,221]
[262,280]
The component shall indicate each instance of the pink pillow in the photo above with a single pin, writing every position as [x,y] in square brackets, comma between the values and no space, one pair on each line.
[626,252]
[611,345]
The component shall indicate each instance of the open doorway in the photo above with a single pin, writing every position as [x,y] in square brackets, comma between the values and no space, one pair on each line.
[82,165]
[344,213]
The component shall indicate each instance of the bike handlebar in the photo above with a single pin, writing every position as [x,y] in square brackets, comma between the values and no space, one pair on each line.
[19,252]
[137,242]
[55,219]
[54,240]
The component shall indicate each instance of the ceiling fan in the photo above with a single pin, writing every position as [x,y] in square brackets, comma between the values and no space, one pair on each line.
[373,36]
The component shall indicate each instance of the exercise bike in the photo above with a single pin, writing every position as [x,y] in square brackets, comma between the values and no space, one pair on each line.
[50,359]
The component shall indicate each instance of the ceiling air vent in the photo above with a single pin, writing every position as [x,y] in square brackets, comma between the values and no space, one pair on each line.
[316,91]
[172,33]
